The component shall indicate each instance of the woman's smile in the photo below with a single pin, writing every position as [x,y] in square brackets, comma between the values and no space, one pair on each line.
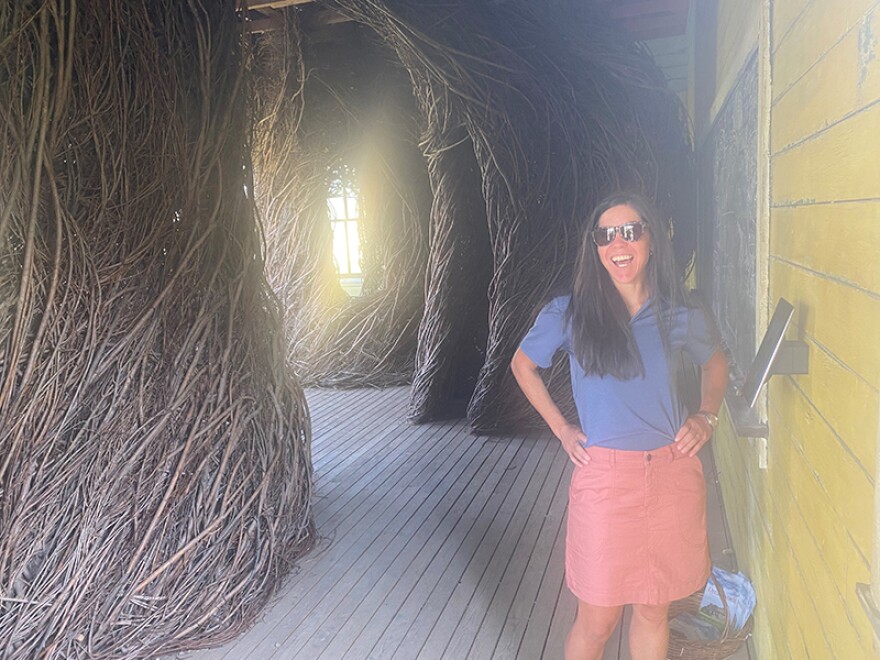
[625,261]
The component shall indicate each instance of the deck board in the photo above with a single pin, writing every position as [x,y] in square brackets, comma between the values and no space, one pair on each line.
[396,594]
[434,544]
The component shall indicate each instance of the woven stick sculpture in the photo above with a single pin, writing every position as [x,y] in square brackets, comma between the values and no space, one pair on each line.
[353,109]
[561,108]
[154,467]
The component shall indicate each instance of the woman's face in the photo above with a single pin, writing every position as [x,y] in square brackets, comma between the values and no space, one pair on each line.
[626,262]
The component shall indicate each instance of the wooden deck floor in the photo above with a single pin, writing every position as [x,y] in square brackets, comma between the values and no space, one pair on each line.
[435,544]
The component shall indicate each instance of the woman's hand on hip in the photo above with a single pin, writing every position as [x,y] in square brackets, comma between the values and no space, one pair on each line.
[693,434]
[572,439]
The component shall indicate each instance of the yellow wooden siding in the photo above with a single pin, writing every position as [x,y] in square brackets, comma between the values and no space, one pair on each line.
[840,163]
[846,78]
[742,490]
[803,528]
[841,318]
[839,238]
[821,25]
[838,485]
[846,401]
[784,16]
[810,533]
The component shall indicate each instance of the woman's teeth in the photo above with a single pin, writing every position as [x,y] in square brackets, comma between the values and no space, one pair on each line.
[622,259]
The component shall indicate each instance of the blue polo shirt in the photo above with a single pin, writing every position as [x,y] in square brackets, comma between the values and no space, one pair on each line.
[642,413]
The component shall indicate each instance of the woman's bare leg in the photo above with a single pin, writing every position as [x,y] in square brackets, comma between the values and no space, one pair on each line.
[591,629]
[649,632]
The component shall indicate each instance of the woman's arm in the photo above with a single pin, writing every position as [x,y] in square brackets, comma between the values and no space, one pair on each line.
[526,374]
[696,430]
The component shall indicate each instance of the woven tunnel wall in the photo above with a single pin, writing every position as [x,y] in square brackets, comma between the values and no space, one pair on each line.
[349,107]
[528,114]
[154,451]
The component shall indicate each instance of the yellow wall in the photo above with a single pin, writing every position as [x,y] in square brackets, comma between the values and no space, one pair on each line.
[803,527]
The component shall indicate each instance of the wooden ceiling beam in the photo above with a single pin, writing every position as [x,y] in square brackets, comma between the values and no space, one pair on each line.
[265,24]
[648,8]
[643,19]
[275,4]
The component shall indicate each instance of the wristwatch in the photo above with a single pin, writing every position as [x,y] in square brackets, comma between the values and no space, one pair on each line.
[712,418]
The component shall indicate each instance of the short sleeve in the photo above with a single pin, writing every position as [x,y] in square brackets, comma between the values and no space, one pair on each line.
[701,338]
[547,334]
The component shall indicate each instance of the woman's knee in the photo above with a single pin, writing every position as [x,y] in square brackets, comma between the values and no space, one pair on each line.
[596,622]
[654,614]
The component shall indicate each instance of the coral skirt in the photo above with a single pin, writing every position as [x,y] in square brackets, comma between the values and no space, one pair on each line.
[636,527]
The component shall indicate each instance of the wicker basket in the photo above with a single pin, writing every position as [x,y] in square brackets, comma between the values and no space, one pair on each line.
[705,649]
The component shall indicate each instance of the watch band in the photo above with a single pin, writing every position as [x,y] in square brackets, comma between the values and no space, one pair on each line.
[712,418]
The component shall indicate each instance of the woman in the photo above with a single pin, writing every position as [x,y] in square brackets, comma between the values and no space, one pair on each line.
[637,501]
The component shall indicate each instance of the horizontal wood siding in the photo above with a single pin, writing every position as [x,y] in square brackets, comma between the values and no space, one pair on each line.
[803,527]
[825,226]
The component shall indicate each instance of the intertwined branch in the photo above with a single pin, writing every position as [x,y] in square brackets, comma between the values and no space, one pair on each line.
[154,467]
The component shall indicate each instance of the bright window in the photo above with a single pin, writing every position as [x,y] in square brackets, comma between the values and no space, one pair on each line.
[344,208]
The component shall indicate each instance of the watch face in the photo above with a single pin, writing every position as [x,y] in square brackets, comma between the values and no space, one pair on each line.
[712,419]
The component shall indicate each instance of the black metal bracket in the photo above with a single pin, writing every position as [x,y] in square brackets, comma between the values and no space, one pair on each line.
[745,419]
[792,359]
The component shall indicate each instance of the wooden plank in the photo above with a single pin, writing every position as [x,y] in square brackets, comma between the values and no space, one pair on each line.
[393,596]
[394,552]
[534,551]
[434,582]
[668,45]
[321,569]
[838,487]
[344,424]
[452,626]
[648,8]
[505,567]
[841,318]
[398,444]
[372,526]
[845,79]
[563,614]
[850,234]
[357,451]
[343,447]
[363,535]
[546,602]
[275,4]
[838,164]
[825,623]
[438,617]
[326,419]
[785,14]
[816,31]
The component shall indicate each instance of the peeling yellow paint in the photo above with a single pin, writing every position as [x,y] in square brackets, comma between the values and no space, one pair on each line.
[821,25]
[845,80]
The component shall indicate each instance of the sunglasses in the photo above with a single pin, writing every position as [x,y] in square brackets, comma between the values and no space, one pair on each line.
[630,232]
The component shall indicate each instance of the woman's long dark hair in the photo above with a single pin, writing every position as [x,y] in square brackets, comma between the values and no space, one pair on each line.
[602,339]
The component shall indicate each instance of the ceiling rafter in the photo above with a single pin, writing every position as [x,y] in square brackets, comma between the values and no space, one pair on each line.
[642,19]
